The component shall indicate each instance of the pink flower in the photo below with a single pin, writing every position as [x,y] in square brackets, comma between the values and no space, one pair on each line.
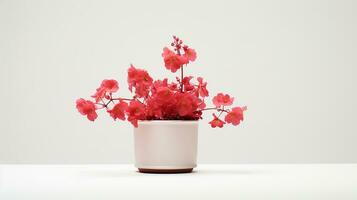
[110,85]
[135,112]
[235,116]
[118,111]
[216,122]
[107,86]
[173,61]
[163,83]
[202,90]
[190,54]
[164,94]
[99,94]
[222,100]
[187,104]
[86,107]
[140,80]
[201,104]
[161,104]
[183,99]
[186,83]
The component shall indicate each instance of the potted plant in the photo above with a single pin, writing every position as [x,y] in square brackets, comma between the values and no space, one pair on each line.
[164,114]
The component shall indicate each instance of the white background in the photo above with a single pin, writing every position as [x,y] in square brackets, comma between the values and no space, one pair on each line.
[293,63]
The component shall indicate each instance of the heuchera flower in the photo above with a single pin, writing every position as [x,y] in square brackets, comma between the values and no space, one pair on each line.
[173,61]
[202,90]
[118,111]
[222,100]
[107,86]
[187,104]
[135,112]
[162,83]
[99,94]
[216,122]
[140,80]
[183,99]
[161,105]
[235,116]
[86,107]
[190,54]
[163,94]
[110,85]
[186,83]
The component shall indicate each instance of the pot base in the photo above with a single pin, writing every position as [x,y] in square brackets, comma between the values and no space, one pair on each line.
[165,171]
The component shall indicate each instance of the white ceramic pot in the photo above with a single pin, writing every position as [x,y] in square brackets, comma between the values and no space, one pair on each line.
[166,146]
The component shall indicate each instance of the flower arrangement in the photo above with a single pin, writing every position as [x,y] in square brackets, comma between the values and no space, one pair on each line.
[160,99]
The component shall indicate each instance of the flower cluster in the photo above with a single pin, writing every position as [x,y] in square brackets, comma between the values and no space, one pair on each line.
[182,99]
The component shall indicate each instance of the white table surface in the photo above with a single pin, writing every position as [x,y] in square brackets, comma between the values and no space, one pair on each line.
[122,182]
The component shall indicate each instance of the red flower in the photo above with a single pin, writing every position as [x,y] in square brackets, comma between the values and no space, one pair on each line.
[110,85]
[140,80]
[190,54]
[187,104]
[135,112]
[222,100]
[235,116]
[86,107]
[186,83]
[164,94]
[216,122]
[182,99]
[173,61]
[161,104]
[118,111]
[99,94]
[107,86]
[162,83]
[202,90]
[201,104]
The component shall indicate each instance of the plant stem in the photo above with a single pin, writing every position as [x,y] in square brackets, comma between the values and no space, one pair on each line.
[181,79]
[181,84]
[220,113]
[218,109]
[124,99]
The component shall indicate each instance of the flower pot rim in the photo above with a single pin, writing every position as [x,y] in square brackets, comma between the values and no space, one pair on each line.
[168,121]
